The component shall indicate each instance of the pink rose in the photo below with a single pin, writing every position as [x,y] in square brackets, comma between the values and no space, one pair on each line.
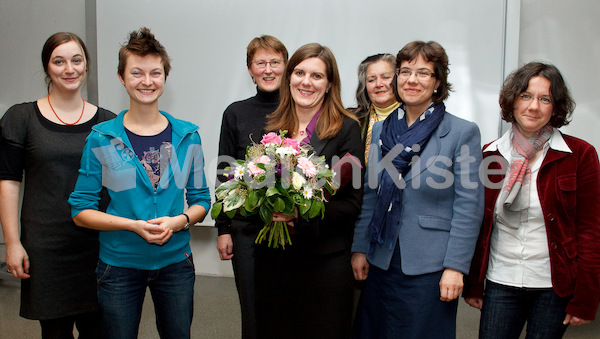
[254,170]
[287,142]
[307,167]
[264,160]
[271,138]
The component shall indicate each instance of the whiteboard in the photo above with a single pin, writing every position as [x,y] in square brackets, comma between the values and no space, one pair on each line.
[207,41]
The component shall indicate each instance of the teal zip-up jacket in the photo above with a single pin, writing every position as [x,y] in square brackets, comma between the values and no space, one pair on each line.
[108,160]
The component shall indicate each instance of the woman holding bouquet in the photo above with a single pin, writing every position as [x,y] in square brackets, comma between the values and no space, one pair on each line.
[243,122]
[417,231]
[306,290]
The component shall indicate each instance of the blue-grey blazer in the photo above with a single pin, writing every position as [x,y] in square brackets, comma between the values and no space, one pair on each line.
[442,207]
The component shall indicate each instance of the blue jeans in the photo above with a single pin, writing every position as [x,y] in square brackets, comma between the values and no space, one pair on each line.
[121,294]
[506,309]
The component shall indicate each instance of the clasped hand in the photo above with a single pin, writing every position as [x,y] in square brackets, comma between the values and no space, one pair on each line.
[156,231]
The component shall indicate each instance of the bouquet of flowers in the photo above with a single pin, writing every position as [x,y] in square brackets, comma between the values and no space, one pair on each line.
[278,175]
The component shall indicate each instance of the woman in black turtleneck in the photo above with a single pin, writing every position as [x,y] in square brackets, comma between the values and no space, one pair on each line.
[244,121]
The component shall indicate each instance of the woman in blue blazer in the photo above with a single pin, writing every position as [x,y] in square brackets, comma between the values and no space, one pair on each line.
[422,209]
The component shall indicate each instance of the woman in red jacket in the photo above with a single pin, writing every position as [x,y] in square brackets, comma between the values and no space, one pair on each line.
[539,247]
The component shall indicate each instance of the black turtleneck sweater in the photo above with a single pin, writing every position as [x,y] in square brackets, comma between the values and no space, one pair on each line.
[243,120]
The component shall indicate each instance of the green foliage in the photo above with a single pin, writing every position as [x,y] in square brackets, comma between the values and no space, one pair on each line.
[216,210]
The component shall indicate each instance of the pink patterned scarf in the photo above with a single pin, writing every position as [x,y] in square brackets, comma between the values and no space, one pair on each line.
[515,190]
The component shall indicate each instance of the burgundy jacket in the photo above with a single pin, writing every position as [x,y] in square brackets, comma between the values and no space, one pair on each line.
[568,185]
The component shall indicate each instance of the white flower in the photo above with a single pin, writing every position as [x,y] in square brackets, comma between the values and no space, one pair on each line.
[239,172]
[307,192]
[297,180]
[285,151]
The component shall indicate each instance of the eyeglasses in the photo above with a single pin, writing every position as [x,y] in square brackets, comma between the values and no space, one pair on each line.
[263,64]
[422,74]
[541,100]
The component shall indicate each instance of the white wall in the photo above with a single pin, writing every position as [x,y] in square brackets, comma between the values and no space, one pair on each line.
[567,34]
[564,33]
[25,26]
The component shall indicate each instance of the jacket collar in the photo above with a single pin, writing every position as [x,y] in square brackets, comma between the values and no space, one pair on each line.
[432,149]
[317,143]
[503,145]
[115,128]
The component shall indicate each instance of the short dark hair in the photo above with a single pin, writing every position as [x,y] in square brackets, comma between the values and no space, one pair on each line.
[517,82]
[431,51]
[142,43]
[56,40]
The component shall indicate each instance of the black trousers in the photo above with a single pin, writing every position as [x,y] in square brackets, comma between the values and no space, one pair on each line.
[243,234]
[88,326]
[303,296]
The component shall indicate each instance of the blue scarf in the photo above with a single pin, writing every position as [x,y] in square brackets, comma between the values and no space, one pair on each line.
[395,131]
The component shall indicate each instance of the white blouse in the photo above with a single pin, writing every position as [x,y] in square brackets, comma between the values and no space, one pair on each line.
[520,257]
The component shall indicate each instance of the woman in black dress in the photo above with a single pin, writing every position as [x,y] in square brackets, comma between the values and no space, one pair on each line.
[55,259]
[306,290]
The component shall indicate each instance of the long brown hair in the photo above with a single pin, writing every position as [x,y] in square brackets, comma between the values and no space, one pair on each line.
[330,120]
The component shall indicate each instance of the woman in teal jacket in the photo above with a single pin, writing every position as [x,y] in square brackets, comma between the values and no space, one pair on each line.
[146,159]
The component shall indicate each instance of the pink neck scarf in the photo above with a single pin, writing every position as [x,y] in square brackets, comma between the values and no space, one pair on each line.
[515,190]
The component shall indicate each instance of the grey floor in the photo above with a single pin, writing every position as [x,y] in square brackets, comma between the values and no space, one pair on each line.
[216,314]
